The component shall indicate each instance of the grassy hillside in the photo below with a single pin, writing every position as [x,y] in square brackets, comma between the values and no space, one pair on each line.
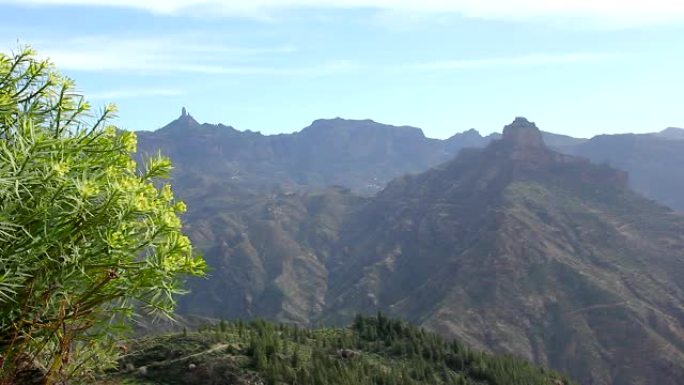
[374,350]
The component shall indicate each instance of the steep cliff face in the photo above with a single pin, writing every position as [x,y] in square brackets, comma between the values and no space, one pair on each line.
[523,134]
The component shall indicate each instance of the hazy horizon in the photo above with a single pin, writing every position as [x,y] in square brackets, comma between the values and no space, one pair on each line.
[578,68]
[427,135]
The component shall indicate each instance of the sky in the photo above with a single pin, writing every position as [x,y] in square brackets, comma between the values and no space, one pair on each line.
[576,67]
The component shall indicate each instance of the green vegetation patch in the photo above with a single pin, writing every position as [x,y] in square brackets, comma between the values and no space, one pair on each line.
[374,350]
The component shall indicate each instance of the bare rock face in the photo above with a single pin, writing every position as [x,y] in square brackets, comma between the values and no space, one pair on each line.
[523,133]
[524,144]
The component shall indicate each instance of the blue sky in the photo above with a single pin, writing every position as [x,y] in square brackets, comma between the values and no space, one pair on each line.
[576,67]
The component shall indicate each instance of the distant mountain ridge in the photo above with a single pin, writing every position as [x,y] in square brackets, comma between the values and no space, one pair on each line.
[360,154]
[654,162]
[364,155]
[671,133]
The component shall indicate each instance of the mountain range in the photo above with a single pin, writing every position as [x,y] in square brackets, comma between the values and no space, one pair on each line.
[512,247]
[359,154]
[363,155]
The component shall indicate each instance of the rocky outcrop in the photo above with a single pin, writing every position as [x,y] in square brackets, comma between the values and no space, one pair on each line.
[523,134]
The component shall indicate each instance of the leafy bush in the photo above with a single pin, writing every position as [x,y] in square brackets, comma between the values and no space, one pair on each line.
[85,237]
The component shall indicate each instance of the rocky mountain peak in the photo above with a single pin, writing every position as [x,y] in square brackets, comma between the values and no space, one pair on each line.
[523,133]
[181,124]
[185,120]
[471,133]
[671,133]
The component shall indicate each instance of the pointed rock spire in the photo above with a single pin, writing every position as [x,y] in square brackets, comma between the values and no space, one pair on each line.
[183,122]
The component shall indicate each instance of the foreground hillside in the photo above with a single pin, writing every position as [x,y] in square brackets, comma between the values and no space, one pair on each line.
[374,350]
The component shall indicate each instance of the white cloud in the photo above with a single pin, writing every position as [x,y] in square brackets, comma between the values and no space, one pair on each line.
[614,12]
[140,53]
[173,54]
[191,54]
[182,55]
[514,61]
